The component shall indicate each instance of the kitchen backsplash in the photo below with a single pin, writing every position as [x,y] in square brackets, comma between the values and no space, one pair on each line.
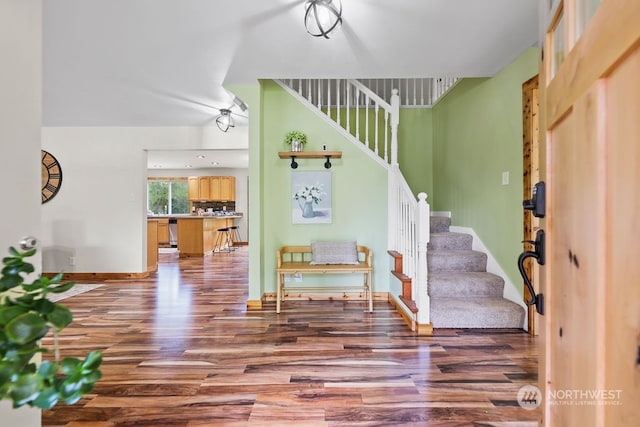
[216,206]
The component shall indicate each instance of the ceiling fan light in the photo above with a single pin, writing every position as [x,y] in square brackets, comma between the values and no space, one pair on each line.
[224,120]
[322,17]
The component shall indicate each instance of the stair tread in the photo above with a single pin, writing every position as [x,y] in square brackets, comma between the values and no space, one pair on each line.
[452,275]
[446,252]
[456,260]
[465,284]
[486,312]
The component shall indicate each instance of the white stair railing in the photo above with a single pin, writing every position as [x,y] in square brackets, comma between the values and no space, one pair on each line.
[414,92]
[355,108]
[372,123]
[409,235]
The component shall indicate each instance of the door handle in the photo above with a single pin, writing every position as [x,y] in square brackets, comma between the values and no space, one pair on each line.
[538,254]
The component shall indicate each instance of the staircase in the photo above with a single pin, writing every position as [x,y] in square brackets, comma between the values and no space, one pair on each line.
[444,283]
[462,293]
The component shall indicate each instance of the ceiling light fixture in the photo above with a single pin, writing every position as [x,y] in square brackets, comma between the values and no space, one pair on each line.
[224,120]
[322,17]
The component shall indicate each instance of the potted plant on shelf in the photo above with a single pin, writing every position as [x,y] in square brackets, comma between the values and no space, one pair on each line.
[26,316]
[296,139]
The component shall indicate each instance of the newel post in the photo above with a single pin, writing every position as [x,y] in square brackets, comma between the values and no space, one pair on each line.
[395,120]
[421,296]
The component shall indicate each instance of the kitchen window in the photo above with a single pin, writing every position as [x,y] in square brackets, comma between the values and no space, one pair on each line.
[167,196]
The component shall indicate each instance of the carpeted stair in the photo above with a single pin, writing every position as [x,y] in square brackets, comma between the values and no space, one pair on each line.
[463,294]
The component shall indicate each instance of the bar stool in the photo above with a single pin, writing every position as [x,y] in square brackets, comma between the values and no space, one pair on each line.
[235,234]
[224,236]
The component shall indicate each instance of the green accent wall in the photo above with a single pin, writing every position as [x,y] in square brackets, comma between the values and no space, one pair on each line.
[415,149]
[455,152]
[359,191]
[477,137]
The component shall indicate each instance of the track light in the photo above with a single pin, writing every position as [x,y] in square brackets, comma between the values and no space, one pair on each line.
[224,120]
[322,17]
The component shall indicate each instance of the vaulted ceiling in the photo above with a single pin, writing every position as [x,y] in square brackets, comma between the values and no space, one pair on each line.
[165,62]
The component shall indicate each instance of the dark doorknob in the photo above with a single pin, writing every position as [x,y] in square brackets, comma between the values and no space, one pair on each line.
[538,254]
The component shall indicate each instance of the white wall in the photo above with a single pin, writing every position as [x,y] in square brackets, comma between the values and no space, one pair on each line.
[20,121]
[99,215]
[242,191]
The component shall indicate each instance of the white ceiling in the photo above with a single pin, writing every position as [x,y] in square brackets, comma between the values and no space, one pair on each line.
[164,62]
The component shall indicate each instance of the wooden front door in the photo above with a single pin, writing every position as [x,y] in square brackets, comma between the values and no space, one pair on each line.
[590,85]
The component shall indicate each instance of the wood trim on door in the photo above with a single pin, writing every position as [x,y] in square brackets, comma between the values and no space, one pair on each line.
[530,175]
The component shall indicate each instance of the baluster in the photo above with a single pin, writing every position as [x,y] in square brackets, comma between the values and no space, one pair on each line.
[358,114]
[376,130]
[300,87]
[406,91]
[415,101]
[366,120]
[348,113]
[386,136]
[319,87]
[329,98]
[338,101]
[422,92]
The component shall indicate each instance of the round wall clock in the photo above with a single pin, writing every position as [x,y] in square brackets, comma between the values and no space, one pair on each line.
[51,176]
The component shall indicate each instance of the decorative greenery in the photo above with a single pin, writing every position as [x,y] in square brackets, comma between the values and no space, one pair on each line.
[26,316]
[297,135]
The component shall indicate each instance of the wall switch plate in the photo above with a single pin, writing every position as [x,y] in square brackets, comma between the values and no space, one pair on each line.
[505,178]
[72,260]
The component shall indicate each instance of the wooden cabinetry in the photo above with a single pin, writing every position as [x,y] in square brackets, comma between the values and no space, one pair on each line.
[152,245]
[197,236]
[163,232]
[193,188]
[212,188]
[204,184]
[228,188]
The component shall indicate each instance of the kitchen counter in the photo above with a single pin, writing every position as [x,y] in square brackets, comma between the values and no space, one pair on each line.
[197,235]
[189,216]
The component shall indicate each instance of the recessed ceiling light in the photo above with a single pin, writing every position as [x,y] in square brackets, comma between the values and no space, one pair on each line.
[157,166]
[188,166]
[201,156]
[215,163]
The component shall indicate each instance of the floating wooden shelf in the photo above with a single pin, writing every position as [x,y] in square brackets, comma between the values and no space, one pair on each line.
[293,155]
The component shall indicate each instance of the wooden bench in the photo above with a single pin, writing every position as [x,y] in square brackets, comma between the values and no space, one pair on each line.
[296,259]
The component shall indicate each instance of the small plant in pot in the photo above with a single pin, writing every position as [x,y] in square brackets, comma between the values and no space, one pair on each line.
[26,316]
[296,139]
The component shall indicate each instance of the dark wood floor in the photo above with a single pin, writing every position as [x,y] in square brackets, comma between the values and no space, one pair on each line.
[180,349]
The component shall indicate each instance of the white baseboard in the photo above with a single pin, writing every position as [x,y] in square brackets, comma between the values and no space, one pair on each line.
[510,291]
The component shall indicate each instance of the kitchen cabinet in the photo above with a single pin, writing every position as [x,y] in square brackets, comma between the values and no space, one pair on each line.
[163,233]
[204,184]
[197,235]
[193,188]
[212,188]
[228,188]
[152,245]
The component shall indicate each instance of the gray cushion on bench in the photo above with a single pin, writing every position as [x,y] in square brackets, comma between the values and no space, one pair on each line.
[333,253]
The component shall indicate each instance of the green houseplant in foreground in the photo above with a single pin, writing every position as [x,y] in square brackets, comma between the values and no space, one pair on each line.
[26,316]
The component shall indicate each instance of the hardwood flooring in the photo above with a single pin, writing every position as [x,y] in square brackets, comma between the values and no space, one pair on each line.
[180,349]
